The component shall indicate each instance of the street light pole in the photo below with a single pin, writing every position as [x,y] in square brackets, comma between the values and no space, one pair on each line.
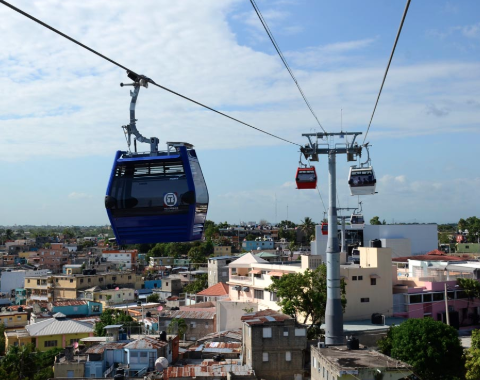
[447,314]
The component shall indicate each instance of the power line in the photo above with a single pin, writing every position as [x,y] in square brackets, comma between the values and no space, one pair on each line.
[388,66]
[277,48]
[133,72]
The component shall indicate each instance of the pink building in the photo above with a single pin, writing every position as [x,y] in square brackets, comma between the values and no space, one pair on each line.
[422,283]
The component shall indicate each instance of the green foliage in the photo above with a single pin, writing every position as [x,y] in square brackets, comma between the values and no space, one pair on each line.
[250,237]
[432,348]
[286,224]
[177,326]
[22,362]
[375,221]
[111,317]
[304,294]
[2,339]
[470,287]
[472,224]
[472,358]
[307,226]
[200,283]
[154,297]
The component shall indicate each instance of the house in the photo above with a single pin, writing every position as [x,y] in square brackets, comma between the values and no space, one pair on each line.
[120,259]
[258,244]
[368,284]
[274,345]
[222,250]
[422,283]
[109,297]
[49,333]
[218,269]
[15,279]
[342,362]
[200,323]
[76,308]
[217,291]
[14,319]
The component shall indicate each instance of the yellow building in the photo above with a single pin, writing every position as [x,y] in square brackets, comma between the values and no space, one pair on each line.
[53,332]
[109,297]
[369,285]
[14,319]
[63,286]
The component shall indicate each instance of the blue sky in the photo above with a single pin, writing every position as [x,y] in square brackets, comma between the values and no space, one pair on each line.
[62,107]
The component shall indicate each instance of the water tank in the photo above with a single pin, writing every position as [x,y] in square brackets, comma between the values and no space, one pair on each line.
[20,309]
[353,343]
[163,336]
[161,363]
[376,243]
[148,314]
[377,319]
[93,271]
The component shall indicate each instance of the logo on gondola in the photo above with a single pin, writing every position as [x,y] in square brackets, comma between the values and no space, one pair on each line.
[170,199]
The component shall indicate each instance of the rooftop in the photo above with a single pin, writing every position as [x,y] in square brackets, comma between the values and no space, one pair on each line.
[58,326]
[219,289]
[208,368]
[190,314]
[223,335]
[264,316]
[344,359]
[146,343]
[69,303]
[100,348]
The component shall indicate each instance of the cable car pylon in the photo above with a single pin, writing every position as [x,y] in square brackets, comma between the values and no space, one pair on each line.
[333,311]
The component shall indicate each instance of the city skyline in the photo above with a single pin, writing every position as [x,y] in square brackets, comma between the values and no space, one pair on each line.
[63,107]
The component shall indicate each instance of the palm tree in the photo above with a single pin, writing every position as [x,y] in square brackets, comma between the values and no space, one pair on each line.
[9,234]
[307,226]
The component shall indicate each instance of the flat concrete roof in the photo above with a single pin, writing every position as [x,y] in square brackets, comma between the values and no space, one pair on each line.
[366,325]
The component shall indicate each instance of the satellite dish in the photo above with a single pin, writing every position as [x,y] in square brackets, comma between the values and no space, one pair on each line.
[160,308]
[161,363]
[75,345]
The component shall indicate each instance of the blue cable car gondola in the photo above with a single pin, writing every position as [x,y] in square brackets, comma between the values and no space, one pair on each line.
[157,199]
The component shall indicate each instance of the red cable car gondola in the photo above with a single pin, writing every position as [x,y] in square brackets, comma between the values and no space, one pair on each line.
[324,228]
[306,178]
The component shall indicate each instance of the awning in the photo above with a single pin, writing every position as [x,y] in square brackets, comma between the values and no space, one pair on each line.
[373,275]
[278,274]
[255,271]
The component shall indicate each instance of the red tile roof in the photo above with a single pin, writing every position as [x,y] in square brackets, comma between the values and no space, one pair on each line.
[219,289]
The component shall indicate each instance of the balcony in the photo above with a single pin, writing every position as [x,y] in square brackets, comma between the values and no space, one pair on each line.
[241,279]
[41,297]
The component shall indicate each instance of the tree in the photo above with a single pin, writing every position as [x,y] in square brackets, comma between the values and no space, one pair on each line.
[20,361]
[200,283]
[197,256]
[177,326]
[304,295]
[2,339]
[111,317]
[375,221]
[286,224]
[431,347]
[472,357]
[154,297]
[8,234]
[307,226]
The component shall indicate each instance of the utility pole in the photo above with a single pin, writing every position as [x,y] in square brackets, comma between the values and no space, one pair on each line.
[333,312]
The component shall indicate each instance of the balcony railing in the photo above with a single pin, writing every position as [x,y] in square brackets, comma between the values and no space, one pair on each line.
[242,279]
[40,297]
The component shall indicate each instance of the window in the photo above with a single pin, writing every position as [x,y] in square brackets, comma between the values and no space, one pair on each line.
[134,357]
[354,278]
[81,281]
[193,324]
[96,308]
[300,332]
[206,324]
[427,298]
[143,357]
[360,278]
[89,280]
[438,296]
[288,356]
[71,280]
[100,279]
[265,357]
[56,280]
[285,331]
[364,299]
[373,281]
[267,332]
[129,277]
[273,296]
[50,343]
[114,278]
[258,294]
[100,297]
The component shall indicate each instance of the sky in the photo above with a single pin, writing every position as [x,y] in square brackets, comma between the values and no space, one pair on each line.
[62,106]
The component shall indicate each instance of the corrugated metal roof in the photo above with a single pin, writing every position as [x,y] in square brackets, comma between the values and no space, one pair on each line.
[69,303]
[146,343]
[229,334]
[189,314]
[267,315]
[208,368]
[54,326]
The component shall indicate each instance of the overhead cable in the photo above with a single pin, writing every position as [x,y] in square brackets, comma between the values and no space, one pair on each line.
[277,48]
[131,71]
[388,66]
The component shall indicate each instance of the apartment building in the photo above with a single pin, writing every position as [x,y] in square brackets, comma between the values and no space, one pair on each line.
[199,323]
[121,259]
[63,286]
[109,297]
[53,258]
[368,284]
[274,345]
[222,250]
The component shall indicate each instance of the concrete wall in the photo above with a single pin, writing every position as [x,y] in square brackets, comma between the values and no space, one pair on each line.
[230,312]
[279,357]
[16,279]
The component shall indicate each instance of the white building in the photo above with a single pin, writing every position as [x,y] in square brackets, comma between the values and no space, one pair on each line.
[122,260]
[404,240]
[16,279]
